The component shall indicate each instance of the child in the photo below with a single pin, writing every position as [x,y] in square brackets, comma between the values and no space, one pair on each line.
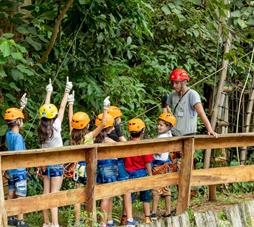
[50,136]
[17,184]
[139,166]
[116,135]
[79,123]
[107,170]
[161,163]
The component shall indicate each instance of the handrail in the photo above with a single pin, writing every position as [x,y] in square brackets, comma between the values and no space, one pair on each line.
[186,178]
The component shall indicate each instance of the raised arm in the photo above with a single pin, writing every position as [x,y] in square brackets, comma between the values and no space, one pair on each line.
[23,101]
[49,89]
[64,100]
[98,129]
[71,99]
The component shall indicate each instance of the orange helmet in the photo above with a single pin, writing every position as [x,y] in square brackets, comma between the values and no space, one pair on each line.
[13,114]
[179,75]
[136,125]
[169,118]
[114,111]
[109,120]
[80,120]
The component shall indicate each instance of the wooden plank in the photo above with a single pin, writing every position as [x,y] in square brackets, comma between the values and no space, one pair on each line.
[135,185]
[91,167]
[222,175]
[46,201]
[184,183]
[224,141]
[143,147]
[3,214]
[27,160]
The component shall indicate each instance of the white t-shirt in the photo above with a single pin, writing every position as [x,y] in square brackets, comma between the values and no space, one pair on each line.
[163,156]
[56,139]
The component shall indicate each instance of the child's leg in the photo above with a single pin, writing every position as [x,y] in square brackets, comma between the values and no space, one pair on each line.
[127,205]
[77,208]
[56,183]
[156,199]
[147,209]
[46,190]
[168,204]
[105,204]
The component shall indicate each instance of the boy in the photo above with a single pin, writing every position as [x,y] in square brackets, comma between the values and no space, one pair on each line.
[139,166]
[17,183]
[161,164]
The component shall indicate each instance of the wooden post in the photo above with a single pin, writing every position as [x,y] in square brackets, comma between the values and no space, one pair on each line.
[184,183]
[91,160]
[3,215]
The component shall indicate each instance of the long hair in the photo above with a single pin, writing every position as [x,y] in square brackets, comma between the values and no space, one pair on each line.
[46,129]
[77,136]
[101,137]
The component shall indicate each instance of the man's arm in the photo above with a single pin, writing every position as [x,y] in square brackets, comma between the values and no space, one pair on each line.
[200,110]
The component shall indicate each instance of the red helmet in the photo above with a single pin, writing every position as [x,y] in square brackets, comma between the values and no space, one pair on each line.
[179,75]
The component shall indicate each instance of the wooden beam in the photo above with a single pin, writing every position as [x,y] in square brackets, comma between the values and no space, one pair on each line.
[135,185]
[134,148]
[3,214]
[46,201]
[185,176]
[91,167]
[224,141]
[222,175]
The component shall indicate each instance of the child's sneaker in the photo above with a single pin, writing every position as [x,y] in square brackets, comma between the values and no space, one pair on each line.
[148,220]
[46,225]
[132,223]
[153,217]
[21,223]
[111,224]
[12,220]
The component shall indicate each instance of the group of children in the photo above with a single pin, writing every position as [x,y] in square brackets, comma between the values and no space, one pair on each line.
[108,130]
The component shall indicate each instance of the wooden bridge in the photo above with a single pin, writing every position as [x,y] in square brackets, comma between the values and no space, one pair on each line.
[186,178]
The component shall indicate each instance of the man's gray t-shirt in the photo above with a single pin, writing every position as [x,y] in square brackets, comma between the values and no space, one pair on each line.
[185,113]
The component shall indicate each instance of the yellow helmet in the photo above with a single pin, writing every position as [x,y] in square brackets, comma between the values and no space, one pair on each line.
[48,111]
[115,111]
[80,120]
[136,125]
[169,118]
[12,114]
[109,120]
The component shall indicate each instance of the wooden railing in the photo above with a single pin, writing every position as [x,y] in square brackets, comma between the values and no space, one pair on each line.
[186,178]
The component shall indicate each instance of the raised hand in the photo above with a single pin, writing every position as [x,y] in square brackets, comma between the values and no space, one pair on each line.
[49,87]
[68,86]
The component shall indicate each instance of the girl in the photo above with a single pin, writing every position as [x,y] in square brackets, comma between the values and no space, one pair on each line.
[50,136]
[79,123]
[107,171]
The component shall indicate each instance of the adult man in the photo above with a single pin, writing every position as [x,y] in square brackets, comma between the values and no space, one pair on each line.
[185,104]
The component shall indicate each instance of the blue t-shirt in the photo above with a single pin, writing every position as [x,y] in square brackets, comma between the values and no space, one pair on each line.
[15,142]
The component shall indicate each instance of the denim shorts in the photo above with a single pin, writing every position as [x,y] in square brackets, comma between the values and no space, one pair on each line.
[18,184]
[145,196]
[53,171]
[122,173]
[107,173]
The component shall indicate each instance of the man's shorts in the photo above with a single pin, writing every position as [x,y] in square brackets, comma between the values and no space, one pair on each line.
[145,196]
[107,172]
[122,173]
[18,184]
[53,171]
